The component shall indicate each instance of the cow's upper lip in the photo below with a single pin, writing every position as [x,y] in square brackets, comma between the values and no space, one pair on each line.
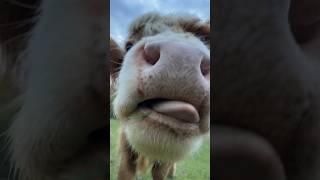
[182,120]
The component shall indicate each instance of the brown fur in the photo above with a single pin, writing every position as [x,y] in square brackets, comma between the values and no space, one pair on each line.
[142,164]
[128,166]
[116,57]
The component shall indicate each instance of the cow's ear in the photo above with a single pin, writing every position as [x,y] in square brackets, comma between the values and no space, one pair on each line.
[115,61]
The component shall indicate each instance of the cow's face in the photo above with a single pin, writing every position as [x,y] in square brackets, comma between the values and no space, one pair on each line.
[163,88]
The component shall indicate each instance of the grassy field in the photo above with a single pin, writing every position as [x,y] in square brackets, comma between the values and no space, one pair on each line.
[196,167]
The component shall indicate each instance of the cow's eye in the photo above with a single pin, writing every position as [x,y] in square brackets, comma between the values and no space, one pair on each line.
[129,46]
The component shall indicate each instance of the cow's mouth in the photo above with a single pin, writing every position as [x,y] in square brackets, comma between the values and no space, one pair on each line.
[176,115]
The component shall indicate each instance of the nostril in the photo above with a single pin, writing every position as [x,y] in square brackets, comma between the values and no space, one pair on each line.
[151,53]
[205,66]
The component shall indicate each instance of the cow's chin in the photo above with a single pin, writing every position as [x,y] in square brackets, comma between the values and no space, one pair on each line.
[161,137]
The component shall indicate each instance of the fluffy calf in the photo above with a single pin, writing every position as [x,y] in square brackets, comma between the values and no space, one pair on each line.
[162,92]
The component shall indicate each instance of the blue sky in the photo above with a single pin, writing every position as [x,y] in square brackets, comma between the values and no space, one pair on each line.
[122,12]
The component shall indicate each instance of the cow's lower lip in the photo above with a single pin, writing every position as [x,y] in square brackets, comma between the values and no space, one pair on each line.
[180,110]
[159,121]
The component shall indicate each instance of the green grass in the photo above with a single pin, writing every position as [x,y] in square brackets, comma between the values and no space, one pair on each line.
[196,167]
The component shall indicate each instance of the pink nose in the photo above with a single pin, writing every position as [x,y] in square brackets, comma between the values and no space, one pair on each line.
[179,54]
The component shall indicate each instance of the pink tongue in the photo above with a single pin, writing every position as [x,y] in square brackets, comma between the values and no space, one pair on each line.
[179,110]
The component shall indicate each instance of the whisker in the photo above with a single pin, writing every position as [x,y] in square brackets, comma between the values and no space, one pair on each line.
[19,23]
[116,68]
[17,37]
[114,48]
[113,74]
[115,62]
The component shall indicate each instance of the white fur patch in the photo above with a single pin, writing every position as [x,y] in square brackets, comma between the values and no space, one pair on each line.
[159,145]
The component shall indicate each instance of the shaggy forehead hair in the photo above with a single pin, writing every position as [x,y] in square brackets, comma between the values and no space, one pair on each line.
[153,23]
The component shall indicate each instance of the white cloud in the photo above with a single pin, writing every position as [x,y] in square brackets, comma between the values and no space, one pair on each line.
[122,12]
[153,4]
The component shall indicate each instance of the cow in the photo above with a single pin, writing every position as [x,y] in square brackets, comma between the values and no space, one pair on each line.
[162,92]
